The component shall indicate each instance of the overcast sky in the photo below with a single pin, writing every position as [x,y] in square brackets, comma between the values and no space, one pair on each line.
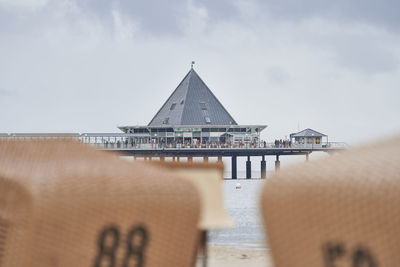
[91,65]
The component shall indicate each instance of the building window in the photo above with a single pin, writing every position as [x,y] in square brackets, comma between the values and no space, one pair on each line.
[317,140]
[203,106]
[140,131]
[172,106]
[208,120]
[309,140]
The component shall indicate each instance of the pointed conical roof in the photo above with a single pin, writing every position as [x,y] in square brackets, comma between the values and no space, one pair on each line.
[192,103]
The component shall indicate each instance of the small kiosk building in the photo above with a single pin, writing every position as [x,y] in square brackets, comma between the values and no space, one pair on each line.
[309,138]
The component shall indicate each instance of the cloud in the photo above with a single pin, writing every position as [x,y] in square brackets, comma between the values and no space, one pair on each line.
[358,46]
[277,76]
[5,92]
[23,4]
[382,13]
[172,18]
[164,17]
[367,57]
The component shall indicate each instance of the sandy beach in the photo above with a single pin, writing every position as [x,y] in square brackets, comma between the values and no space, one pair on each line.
[222,256]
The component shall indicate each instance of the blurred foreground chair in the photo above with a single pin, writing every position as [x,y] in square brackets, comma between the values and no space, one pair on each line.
[207,178]
[67,205]
[341,211]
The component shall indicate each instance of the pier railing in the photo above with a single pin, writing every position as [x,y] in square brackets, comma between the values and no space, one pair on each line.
[123,141]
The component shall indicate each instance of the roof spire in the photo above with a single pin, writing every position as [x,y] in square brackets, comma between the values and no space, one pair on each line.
[192,65]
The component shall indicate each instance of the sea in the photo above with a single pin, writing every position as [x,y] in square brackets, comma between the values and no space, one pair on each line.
[243,207]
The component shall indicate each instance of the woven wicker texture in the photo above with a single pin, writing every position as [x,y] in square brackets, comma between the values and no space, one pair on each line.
[66,204]
[339,211]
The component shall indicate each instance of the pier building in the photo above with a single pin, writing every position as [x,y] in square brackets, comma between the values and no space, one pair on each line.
[192,116]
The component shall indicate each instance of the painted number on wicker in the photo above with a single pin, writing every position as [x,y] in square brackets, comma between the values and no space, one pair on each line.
[108,242]
[336,253]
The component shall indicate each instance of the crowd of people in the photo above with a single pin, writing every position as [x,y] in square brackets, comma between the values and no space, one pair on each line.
[282,143]
[195,143]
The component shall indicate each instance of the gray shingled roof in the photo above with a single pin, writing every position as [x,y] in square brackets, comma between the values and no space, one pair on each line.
[192,103]
[307,133]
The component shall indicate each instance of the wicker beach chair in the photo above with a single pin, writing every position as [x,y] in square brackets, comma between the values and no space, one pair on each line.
[343,210]
[66,204]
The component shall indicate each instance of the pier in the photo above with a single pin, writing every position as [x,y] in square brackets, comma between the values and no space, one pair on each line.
[119,143]
[192,122]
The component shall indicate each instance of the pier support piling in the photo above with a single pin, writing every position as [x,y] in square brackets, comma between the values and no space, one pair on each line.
[173,158]
[248,168]
[162,159]
[190,159]
[219,159]
[205,159]
[234,167]
[263,168]
[307,156]
[277,163]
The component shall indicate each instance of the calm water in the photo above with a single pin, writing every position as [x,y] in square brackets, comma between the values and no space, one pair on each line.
[243,206]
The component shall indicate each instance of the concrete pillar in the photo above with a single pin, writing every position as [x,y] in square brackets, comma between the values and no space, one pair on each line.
[162,159]
[263,168]
[248,168]
[277,163]
[307,156]
[219,158]
[205,159]
[190,159]
[178,159]
[234,167]
[134,157]
[145,158]
[173,158]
